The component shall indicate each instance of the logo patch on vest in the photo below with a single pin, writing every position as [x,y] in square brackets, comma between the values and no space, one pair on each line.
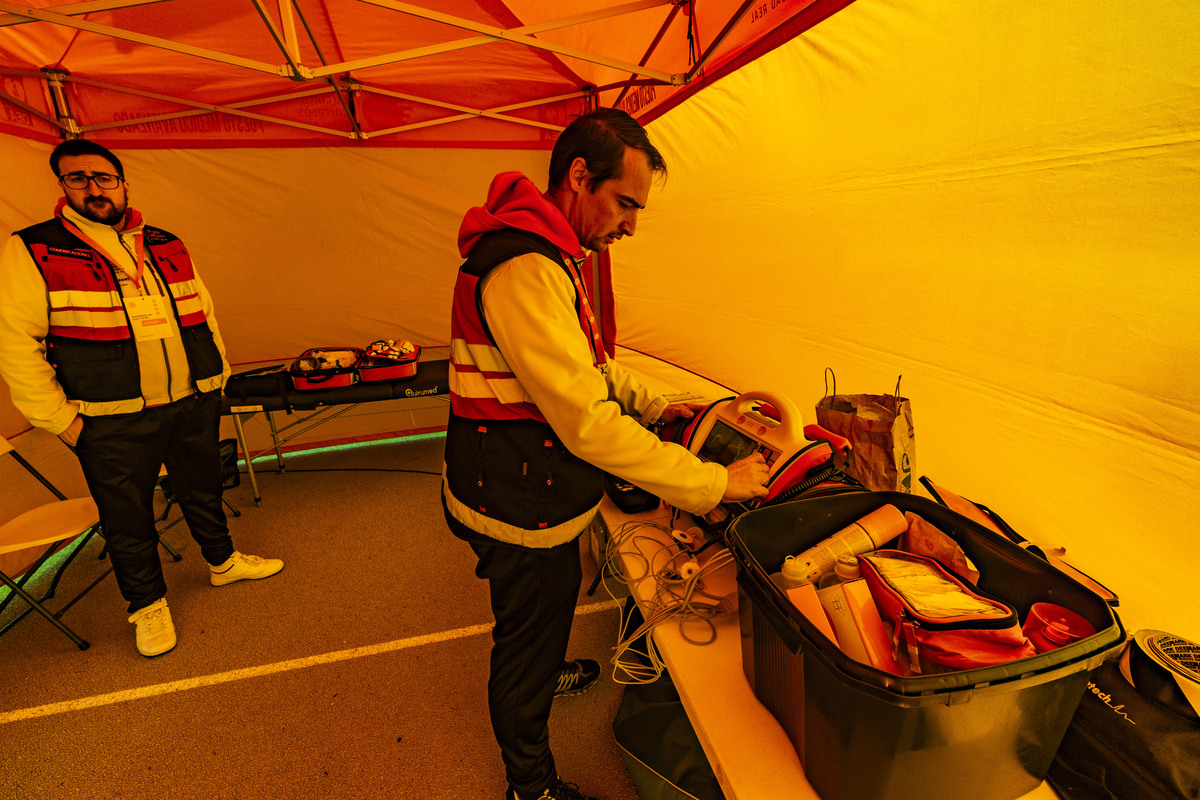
[83,255]
[156,236]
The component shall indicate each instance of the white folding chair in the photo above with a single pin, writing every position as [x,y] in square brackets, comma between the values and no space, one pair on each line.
[36,536]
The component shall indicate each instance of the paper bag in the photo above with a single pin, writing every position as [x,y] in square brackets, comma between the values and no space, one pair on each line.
[880,430]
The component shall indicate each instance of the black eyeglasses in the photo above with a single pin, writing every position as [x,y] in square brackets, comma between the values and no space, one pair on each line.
[78,180]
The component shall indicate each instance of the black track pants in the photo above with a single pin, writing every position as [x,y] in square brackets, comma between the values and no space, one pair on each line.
[534,592]
[121,454]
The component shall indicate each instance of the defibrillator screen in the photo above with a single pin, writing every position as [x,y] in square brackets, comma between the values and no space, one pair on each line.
[726,445]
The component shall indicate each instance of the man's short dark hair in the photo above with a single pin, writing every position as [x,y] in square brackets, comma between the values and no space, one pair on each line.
[83,147]
[600,138]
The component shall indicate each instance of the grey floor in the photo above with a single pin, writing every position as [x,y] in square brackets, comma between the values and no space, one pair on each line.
[358,672]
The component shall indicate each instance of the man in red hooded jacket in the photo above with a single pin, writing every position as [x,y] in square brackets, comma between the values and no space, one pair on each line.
[539,413]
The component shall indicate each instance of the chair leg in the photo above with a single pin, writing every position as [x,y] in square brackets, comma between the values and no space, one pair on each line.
[38,607]
[83,541]
[232,508]
[170,550]
[36,567]
[166,510]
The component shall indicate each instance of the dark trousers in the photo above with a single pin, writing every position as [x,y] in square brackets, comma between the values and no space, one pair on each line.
[121,455]
[534,592]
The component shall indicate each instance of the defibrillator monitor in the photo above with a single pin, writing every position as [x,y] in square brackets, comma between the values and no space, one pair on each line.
[725,445]
[737,427]
[755,422]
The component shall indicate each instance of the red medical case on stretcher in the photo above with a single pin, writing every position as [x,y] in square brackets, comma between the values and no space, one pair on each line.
[389,360]
[325,368]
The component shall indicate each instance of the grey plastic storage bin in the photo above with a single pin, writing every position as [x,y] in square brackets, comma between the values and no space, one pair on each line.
[864,734]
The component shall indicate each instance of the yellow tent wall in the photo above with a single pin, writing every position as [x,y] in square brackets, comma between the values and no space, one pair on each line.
[998,204]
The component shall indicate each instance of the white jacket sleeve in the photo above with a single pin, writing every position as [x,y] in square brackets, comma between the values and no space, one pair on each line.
[635,399]
[207,305]
[24,323]
[529,306]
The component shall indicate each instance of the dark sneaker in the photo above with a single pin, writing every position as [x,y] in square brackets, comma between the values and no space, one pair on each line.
[576,677]
[557,791]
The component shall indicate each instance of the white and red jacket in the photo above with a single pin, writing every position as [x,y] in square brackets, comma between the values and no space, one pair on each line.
[65,342]
[538,413]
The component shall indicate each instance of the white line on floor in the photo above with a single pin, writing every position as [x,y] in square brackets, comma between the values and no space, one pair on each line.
[259,671]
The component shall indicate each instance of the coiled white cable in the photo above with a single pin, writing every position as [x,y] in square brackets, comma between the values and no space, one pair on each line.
[678,592]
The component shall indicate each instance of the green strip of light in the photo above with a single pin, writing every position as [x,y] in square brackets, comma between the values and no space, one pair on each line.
[57,558]
[45,570]
[416,437]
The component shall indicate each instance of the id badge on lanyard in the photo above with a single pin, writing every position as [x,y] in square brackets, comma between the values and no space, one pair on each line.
[148,316]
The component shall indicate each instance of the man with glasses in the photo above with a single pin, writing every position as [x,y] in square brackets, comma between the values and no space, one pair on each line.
[107,339]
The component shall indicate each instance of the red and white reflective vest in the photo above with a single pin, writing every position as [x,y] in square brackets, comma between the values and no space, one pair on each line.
[508,475]
[90,343]
[481,384]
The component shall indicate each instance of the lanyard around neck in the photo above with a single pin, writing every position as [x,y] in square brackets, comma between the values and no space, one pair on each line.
[138,254]
[589,316]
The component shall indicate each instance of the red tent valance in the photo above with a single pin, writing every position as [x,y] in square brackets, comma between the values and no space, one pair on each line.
[467,73]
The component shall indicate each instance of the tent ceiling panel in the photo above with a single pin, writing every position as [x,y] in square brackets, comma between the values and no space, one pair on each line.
[481,73]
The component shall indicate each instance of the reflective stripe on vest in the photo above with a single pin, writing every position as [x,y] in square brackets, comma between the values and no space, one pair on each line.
[85,299]
[482,385]
[514,534]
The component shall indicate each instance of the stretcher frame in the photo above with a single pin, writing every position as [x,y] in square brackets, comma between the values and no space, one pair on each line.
[322,406]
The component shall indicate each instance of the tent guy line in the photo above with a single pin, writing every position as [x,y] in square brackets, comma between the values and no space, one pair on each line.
[262,670]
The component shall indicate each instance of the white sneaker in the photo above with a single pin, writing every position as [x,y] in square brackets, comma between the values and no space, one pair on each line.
[155,630]
[240,567]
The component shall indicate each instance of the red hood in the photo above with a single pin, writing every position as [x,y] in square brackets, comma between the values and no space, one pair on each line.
[514,201]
